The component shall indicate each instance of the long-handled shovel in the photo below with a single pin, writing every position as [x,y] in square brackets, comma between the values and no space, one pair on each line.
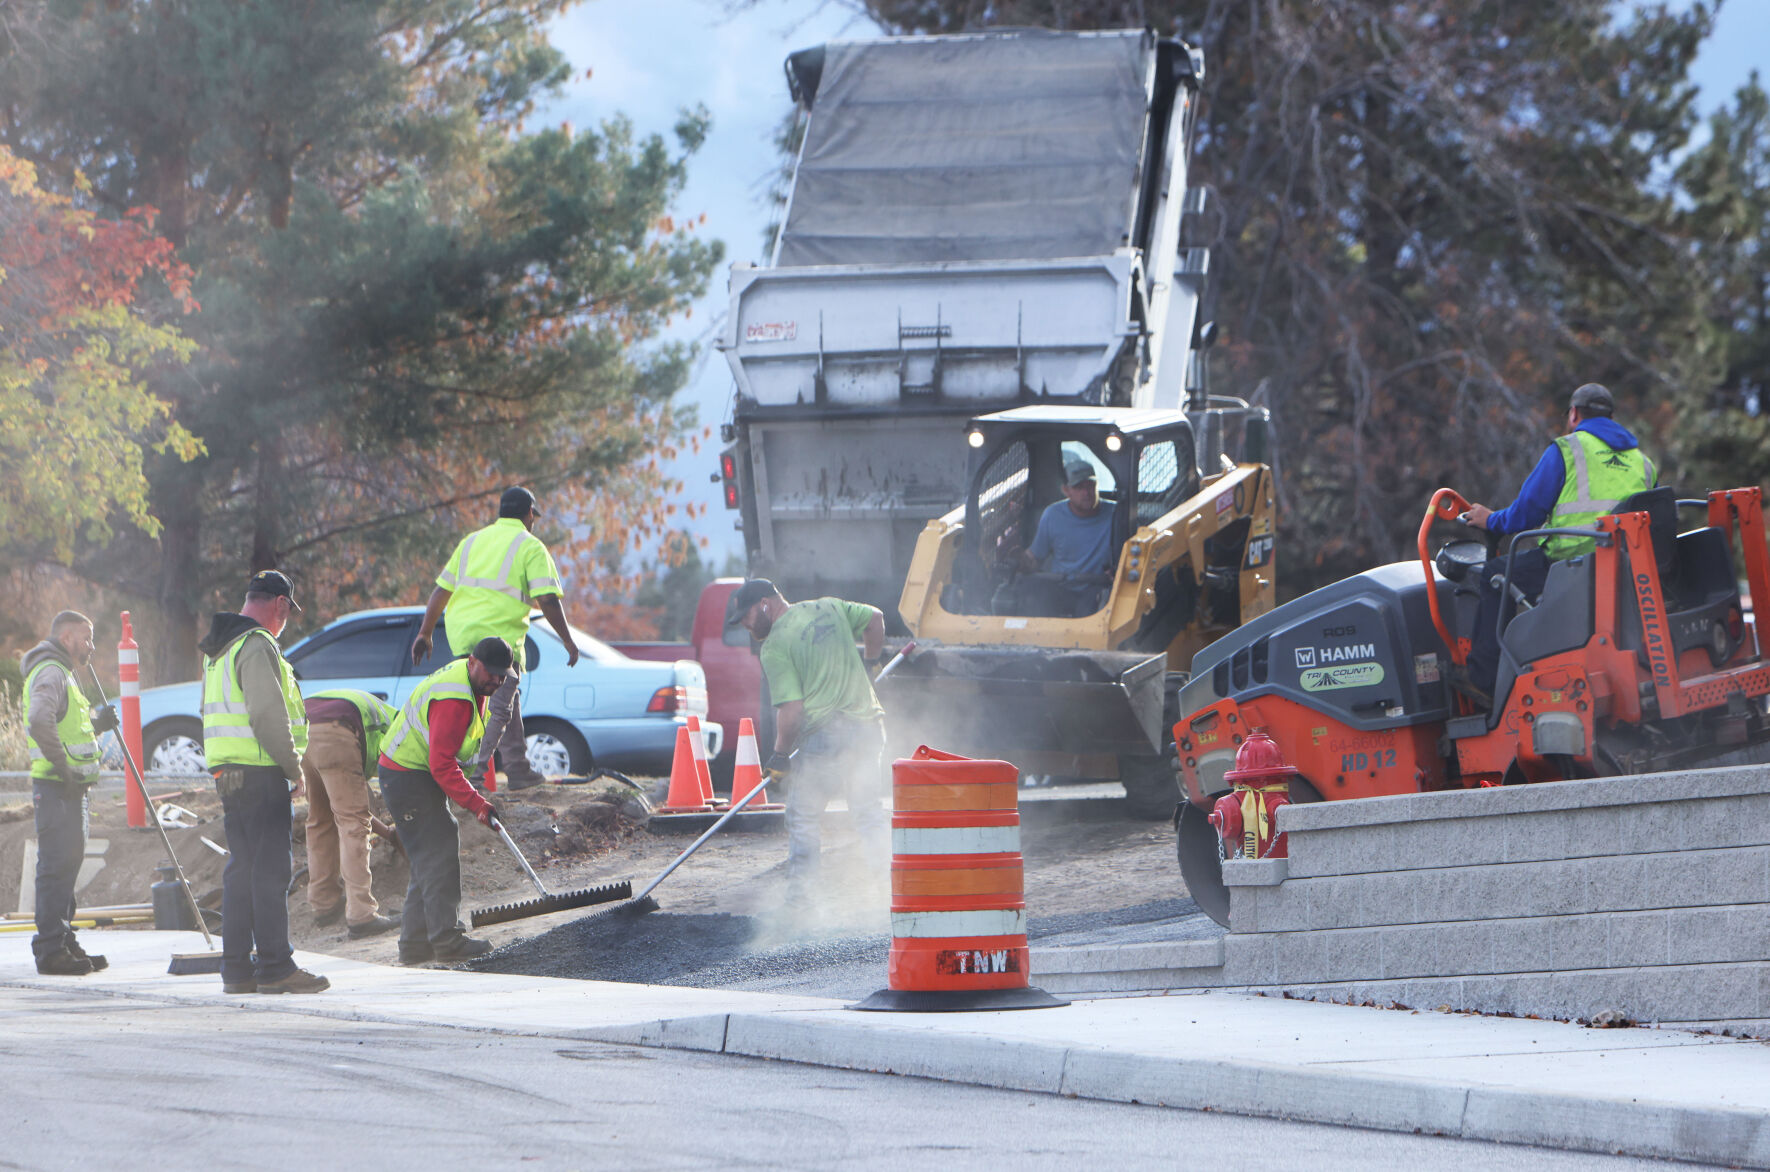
[549,901]
[184,964]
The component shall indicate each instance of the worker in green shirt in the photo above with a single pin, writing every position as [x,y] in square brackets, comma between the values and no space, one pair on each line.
[826,716]
[487,589]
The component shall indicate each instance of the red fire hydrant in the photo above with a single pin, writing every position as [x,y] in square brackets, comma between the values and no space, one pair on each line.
[1244,818]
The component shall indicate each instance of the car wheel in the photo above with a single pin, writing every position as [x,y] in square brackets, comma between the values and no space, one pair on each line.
[174,745]
[556,749]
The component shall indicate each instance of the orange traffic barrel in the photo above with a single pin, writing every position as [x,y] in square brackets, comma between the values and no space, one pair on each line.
[958,893]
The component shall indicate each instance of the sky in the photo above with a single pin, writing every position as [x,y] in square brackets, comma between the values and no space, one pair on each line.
[649,59]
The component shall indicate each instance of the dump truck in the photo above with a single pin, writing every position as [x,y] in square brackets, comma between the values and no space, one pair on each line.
[983,260]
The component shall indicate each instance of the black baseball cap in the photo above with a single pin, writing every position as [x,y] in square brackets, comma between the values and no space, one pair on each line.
[746,596]
[273,582]
[516,502]
[1593,399]
[495,654]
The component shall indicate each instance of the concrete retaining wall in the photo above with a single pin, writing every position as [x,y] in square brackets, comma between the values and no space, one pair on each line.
[1643,896]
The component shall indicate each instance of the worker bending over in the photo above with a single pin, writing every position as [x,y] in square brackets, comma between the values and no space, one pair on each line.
[487,588]
[254,732]
[826,716]
[63,738]
[1582,476]
[344,731]
[437,731]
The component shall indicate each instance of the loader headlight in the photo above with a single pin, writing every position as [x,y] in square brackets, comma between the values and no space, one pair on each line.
[975,439]
[1114,443]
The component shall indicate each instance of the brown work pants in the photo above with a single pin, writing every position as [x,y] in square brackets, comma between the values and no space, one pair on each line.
[337,823]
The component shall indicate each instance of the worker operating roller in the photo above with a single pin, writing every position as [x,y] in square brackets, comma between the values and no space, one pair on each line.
[828,721]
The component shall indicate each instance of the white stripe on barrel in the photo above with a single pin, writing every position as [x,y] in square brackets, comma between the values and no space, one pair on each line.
[973,923]
[955,840]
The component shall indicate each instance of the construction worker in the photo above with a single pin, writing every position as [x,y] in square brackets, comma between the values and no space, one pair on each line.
[254,732]
[344,731]
[826,715]
[1582,476]
[490,583]
[63,736]
[438,730]
[1074,538]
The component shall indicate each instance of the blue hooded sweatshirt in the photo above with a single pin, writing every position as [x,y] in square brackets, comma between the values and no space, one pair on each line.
[1542,488]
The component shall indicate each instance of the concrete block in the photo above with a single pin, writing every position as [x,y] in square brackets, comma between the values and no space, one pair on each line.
[1580,942]
[1366,900]
[1104,958]
[1524,946]
[1644,938]
[1410,950]
[1530,837]
[1465,948]
[1697,992]
[1352,954]
[1299,956]
[1717,934]
[1650,828]
[1249,960]
[1277,909]
[1255,872]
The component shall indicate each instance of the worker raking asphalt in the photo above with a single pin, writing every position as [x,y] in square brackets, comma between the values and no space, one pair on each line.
[727,951]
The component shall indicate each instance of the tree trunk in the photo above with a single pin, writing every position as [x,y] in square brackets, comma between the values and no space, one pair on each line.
[173,654]
[267,505]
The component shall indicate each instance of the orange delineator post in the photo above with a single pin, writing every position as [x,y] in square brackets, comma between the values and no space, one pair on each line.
[129,691]
[958,905]
[685,782]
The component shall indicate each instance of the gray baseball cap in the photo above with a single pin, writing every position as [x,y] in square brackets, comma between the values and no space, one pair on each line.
[1593,399]
[1077,472]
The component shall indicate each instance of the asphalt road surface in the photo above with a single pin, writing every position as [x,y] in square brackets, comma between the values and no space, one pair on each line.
[95,1082]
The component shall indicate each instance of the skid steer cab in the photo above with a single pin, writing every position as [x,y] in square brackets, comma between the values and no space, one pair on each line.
[1637,656]
[1072,672]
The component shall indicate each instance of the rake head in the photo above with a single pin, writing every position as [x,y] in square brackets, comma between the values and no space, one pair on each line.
[557,902]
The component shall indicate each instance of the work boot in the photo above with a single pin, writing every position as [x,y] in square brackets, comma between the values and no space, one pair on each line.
[62,963]
[328,917]
[299,981]
[249,985]
[416,953]
[526,781]
[99,964]
[373,926]
[466,948]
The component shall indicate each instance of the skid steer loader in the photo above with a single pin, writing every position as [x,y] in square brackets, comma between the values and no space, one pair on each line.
[1079,679]
[1636,657]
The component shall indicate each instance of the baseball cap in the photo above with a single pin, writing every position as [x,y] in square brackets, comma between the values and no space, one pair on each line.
[746,596]
[273,582]
[1594,398]
[516,502]
[1077,472]
[495,654]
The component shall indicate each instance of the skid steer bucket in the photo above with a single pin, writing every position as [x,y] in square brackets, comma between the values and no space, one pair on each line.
[1004,701]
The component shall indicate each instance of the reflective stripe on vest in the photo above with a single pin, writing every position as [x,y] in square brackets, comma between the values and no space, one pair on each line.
[227,733]
[468,570]
[375,713]
[1595,478]
[408,741]
[74,729]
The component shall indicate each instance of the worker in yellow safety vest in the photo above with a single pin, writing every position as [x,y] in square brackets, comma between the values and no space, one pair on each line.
[63,739]
[254,733]
[495,577]
[344,731]
[1580,477]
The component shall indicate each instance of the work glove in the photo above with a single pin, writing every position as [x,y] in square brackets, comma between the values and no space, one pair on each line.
[67,774]
[488,816]
[778,766]
[104,719]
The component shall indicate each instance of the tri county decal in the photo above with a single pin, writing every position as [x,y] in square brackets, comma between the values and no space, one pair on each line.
[1332,666]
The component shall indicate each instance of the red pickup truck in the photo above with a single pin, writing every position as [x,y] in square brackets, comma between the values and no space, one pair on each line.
[734,676]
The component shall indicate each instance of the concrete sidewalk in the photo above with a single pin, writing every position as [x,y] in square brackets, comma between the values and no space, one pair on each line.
[1633,1091]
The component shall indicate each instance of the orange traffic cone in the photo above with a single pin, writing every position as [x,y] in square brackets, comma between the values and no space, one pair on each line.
[698,743]
[685,780]
[746,775]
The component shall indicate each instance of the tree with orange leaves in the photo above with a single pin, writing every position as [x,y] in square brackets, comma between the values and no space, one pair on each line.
[75,414]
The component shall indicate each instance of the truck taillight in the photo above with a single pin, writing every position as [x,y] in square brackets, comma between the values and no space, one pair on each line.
[728,472]
[667,701]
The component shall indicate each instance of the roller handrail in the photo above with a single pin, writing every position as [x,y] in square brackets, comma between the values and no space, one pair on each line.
[1446,505]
